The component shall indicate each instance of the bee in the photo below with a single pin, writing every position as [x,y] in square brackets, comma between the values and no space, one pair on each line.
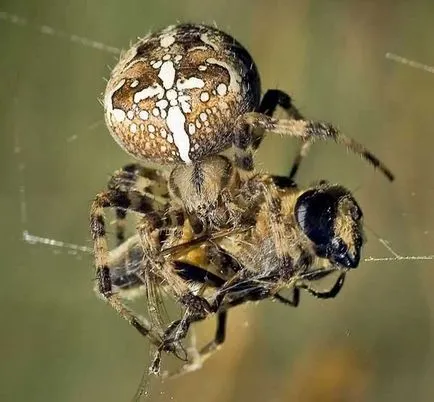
[286,238]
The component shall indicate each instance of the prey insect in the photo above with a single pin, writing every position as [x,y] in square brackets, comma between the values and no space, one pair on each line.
[286,237]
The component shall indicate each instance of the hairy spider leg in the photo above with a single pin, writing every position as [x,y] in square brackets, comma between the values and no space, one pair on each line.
[247,141]
[307,130]
[136,181]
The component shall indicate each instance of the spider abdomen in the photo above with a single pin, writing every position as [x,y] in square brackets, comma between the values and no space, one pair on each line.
[176,94]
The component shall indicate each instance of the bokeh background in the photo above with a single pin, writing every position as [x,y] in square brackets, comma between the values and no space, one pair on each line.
[375,342]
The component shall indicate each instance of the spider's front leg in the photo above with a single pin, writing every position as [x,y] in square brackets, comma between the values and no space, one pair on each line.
[123,194]
[144,188]
[104,288]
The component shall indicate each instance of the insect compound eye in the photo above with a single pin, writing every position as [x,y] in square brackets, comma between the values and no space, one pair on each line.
[317,212]
[314,212]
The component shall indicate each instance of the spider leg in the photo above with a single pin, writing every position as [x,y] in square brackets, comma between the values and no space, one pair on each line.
[104,283]
[308,130]
[272,99]
[302,151]
[145,188]
[246,141]
[150,243]
[144,191]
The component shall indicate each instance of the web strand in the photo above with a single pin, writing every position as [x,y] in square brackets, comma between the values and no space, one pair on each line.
[72,248]
[396,256]
[48,30]
[409,62]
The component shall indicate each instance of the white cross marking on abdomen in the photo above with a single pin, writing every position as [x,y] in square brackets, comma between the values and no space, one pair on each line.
[180,103]
[176,123]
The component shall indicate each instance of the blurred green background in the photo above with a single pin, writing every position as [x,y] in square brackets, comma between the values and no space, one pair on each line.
[375,342]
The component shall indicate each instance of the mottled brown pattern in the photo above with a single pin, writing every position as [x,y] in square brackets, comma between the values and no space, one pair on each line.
[194,51]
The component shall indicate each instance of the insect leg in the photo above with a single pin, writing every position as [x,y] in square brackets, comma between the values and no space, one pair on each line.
[240,290]
[302,151]
[320,294]
[219,337]
[295,298]
[329,294]
[197,309]
[197,358]
[178,329]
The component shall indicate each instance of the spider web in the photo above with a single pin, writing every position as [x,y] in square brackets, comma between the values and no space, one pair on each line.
[391,253]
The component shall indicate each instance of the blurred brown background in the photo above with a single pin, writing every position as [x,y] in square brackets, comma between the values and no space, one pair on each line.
[375,342]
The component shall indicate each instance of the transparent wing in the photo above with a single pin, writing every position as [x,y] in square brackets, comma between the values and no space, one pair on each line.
[134,276]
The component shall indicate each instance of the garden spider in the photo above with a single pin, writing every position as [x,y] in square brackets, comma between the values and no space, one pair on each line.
[191,91]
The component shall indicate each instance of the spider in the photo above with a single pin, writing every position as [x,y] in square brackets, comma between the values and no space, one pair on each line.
[191,91]
[297,236]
